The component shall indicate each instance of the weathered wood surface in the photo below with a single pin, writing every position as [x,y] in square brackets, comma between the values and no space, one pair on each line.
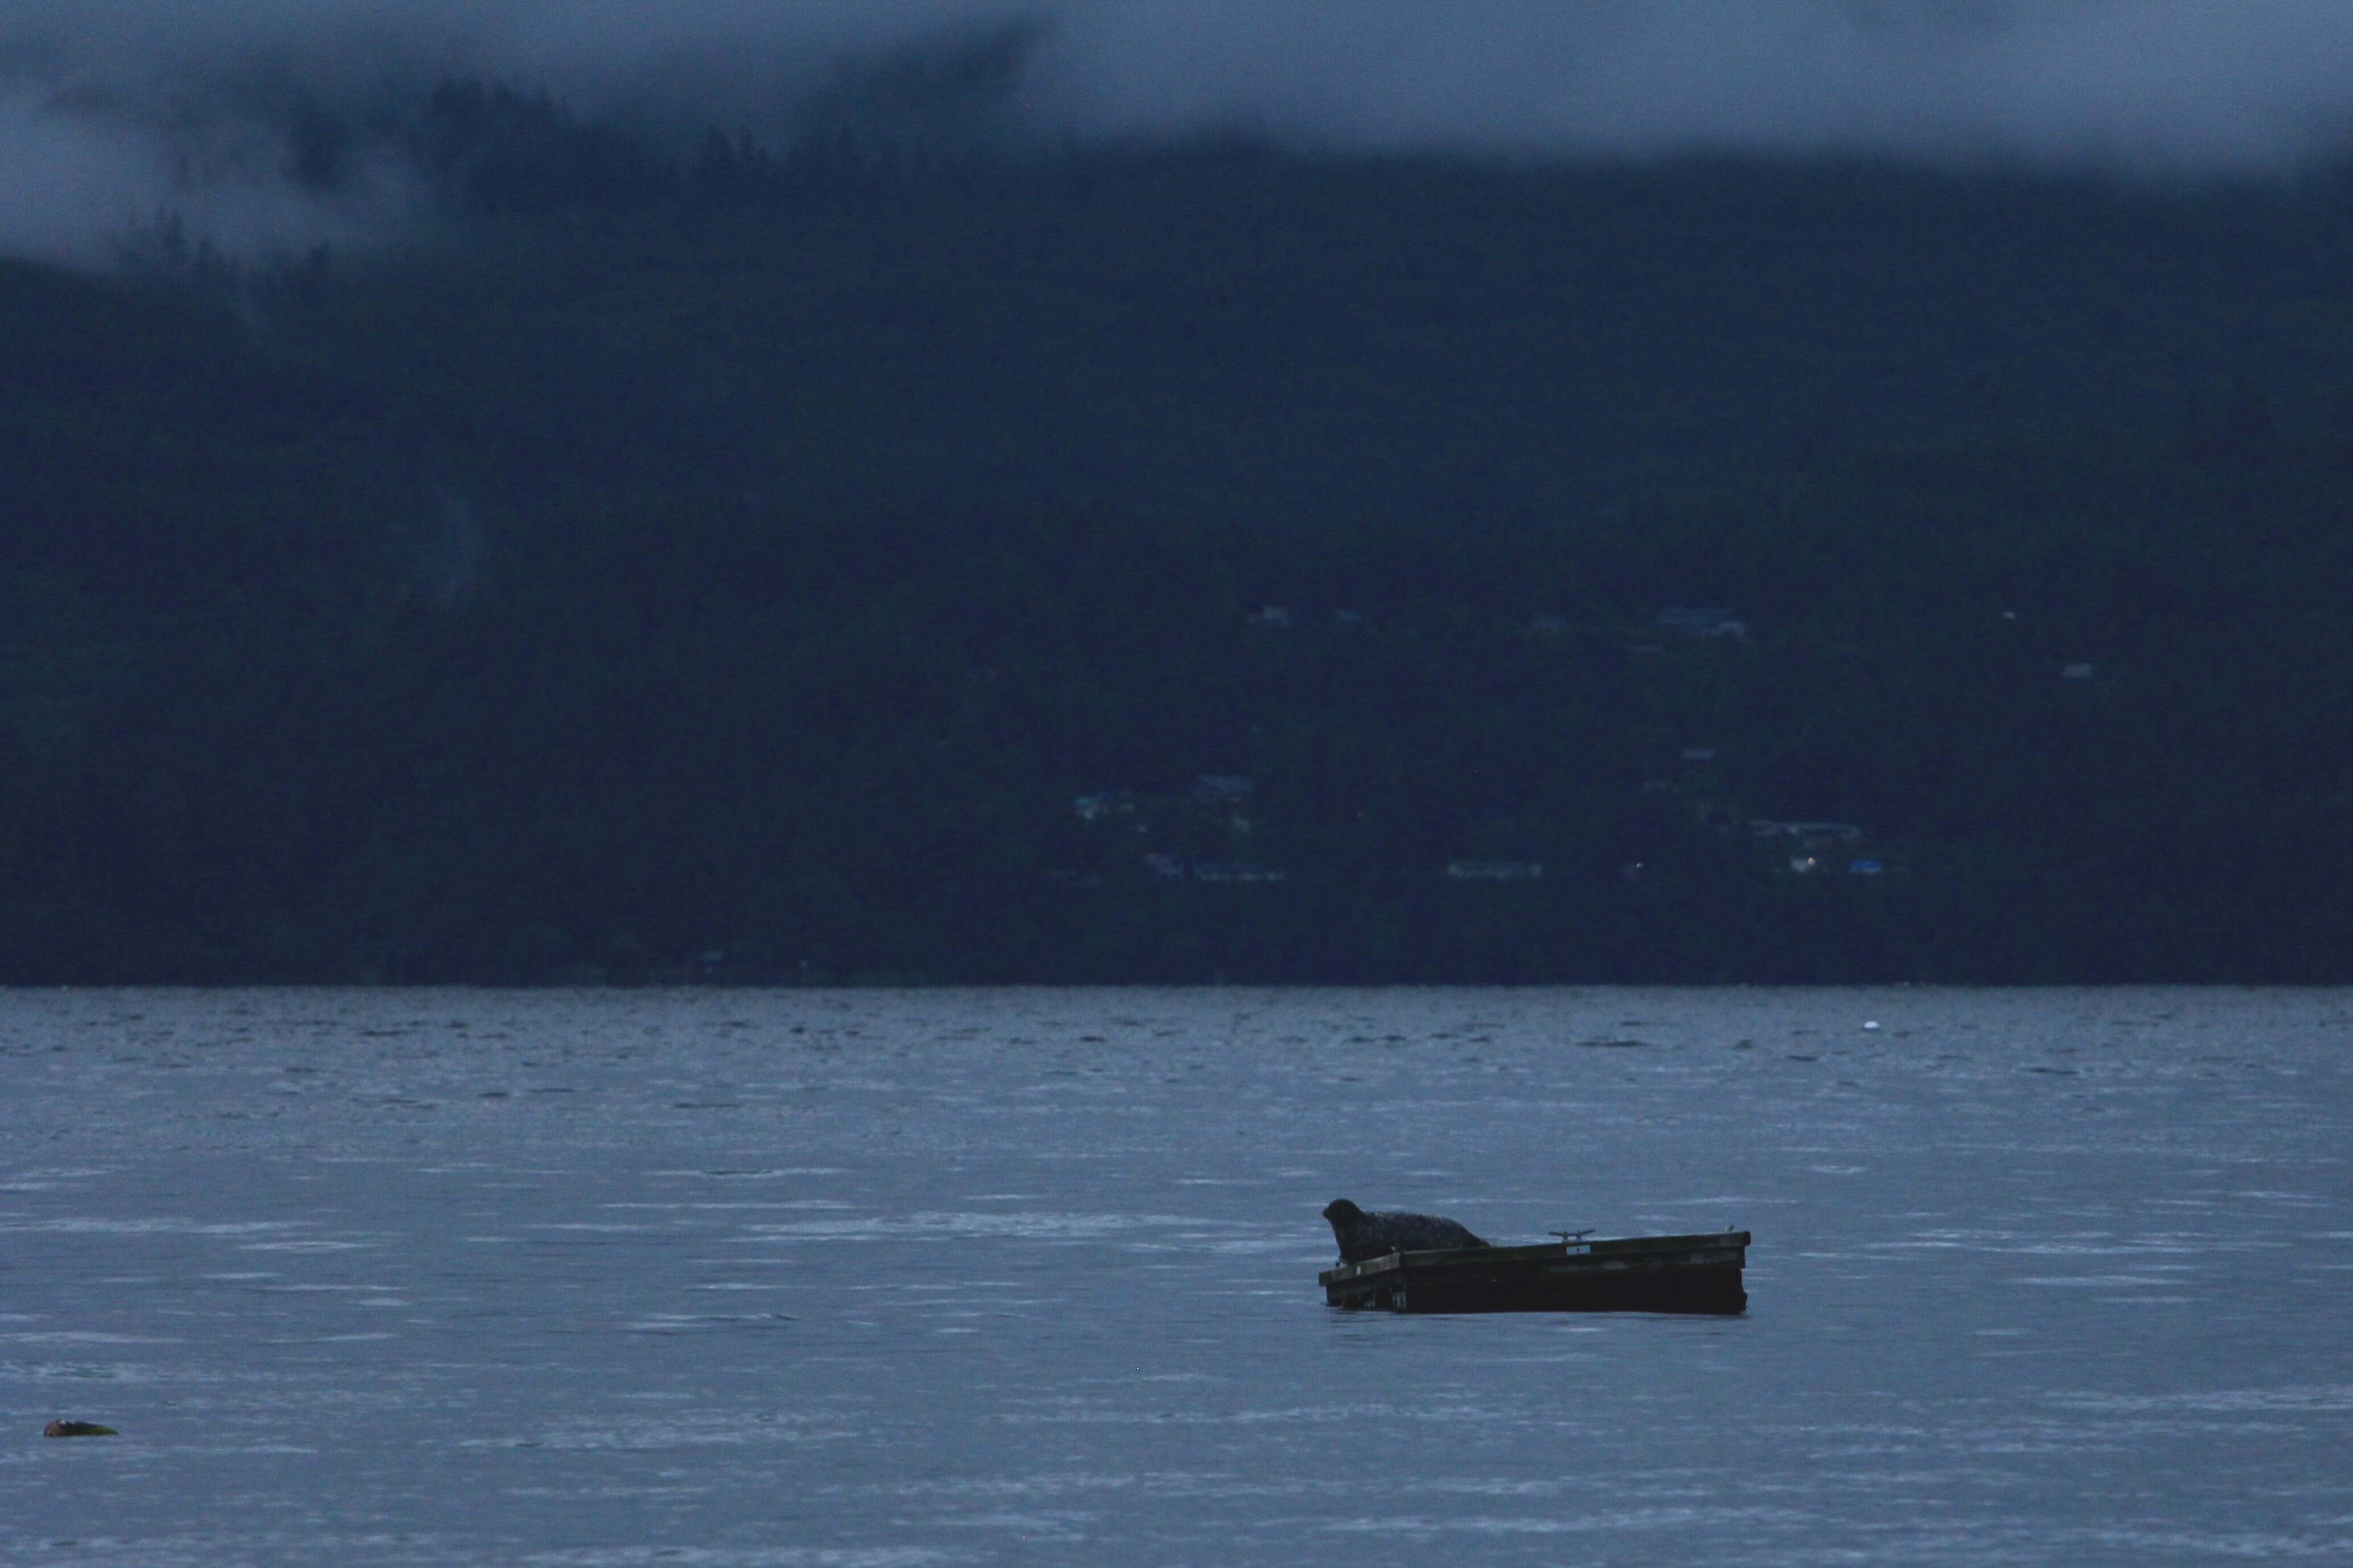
[1629,1274]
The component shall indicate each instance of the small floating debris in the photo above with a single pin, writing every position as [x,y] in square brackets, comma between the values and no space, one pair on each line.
[78,1429]
[1869,1026]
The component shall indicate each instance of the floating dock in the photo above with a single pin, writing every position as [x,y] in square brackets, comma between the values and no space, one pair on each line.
[1631,1274]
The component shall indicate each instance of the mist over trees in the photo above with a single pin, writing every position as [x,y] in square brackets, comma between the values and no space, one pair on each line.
[272,126]
[747,561]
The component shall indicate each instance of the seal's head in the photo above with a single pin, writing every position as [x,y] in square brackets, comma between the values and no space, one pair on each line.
[1340,1211]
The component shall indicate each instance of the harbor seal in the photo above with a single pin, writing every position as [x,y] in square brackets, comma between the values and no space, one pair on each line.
[1363,1236]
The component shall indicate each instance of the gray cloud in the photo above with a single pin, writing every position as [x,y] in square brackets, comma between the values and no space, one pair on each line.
[2156,85]
[111,110]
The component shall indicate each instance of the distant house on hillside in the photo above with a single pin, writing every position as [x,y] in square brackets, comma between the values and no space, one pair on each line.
[1103,805]
[1810,833]
[1212,871]
[1494,871]
[1702,623]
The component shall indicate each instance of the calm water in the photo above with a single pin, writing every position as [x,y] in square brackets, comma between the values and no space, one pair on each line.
[874,1279]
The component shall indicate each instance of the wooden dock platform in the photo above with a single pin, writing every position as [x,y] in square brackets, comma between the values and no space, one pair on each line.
[1631,1274]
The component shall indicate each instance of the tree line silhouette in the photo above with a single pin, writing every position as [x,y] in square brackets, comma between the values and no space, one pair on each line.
[735,566]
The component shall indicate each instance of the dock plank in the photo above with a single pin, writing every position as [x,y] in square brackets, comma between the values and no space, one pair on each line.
[1698,1273]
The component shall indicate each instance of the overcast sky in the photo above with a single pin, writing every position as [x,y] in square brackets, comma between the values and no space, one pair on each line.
[109,109]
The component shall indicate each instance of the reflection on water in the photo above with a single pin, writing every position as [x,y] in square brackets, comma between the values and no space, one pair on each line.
[1029,1277]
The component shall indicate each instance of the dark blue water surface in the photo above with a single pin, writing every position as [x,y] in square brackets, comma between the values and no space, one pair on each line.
[883,1278]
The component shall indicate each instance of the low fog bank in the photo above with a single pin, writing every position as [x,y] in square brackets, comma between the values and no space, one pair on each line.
[274,123]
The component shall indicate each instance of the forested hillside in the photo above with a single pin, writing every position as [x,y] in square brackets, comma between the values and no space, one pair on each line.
[826,565]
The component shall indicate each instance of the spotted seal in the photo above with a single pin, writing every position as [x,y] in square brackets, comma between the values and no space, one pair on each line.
[1363,1236]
